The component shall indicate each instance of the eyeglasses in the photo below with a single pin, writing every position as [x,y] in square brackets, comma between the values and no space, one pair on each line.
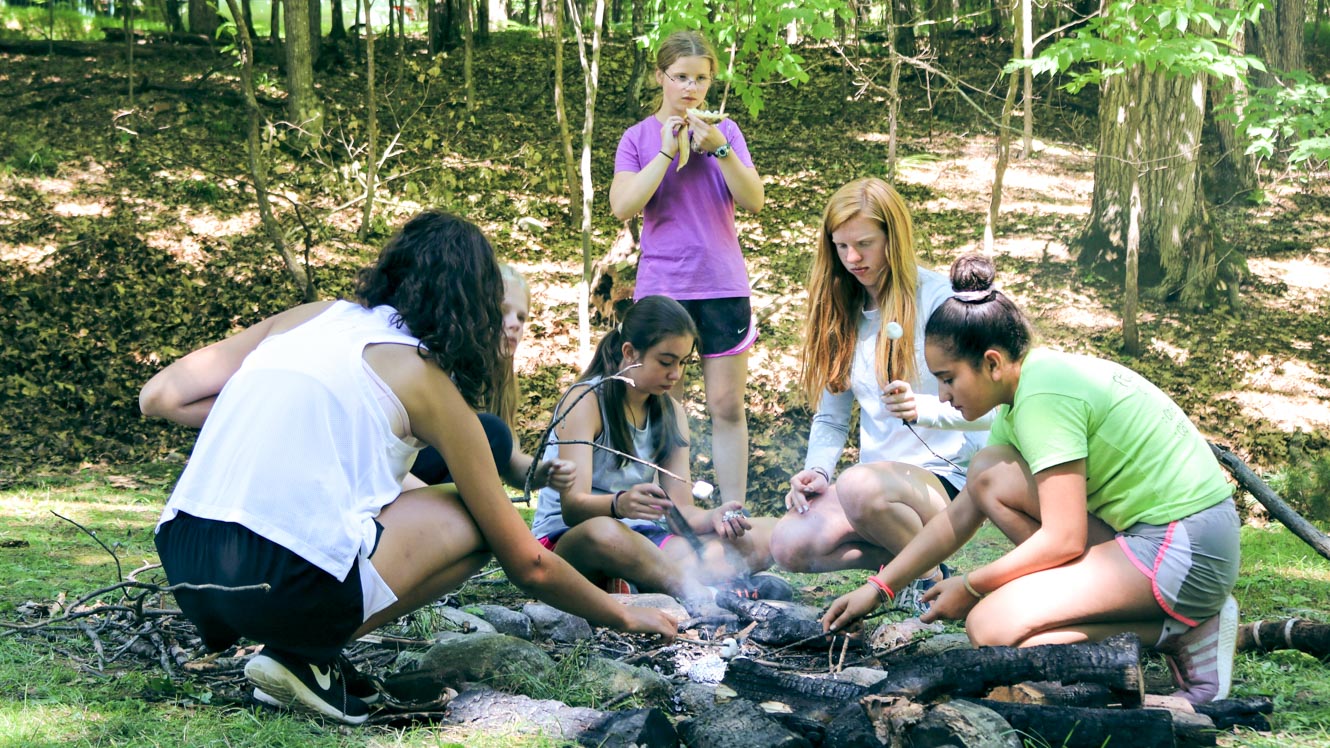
[701,81]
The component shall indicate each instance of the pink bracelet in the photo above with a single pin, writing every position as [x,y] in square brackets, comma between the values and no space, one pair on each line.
[883,589]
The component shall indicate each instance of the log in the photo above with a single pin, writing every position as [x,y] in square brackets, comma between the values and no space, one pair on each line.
[819,699]
[738,724]
[1050,693]
[637,727]
[1292,633]
[1114,663]
[964,724]
[1249,712]
[1250,482]
[1072,727]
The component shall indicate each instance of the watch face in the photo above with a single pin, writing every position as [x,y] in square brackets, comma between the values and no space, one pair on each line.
[723,151]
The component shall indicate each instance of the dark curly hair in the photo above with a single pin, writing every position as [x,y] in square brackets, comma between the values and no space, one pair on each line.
[439,273]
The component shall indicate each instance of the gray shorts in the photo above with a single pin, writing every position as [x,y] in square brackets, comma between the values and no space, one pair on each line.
[1192,563]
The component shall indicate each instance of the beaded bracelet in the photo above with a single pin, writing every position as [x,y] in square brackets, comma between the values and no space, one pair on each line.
[883,591]
[614,505]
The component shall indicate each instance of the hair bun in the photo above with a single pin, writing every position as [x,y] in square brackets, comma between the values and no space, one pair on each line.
[972,274]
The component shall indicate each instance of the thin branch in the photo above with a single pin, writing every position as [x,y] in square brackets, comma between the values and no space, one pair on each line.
[118,575]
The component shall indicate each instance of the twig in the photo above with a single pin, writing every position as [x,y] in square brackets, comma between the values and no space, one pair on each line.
[118,575]
[815,637]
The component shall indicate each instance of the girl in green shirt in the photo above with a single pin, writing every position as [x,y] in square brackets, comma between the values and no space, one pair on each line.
[1122,519]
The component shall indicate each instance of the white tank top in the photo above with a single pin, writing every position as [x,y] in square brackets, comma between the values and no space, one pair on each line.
[298,447]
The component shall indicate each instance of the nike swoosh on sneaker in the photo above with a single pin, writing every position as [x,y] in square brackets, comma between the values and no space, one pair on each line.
[324,679]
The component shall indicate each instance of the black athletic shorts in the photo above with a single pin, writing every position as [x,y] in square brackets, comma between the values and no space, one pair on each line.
[948,486]
[307,612]
[725,327]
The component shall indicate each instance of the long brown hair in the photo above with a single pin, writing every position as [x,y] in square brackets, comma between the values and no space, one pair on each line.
[836,298]
[685,43]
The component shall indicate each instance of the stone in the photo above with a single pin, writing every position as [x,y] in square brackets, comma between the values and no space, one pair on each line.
[505,620]
[548,622]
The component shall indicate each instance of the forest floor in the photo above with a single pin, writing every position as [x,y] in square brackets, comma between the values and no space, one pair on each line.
[128,237]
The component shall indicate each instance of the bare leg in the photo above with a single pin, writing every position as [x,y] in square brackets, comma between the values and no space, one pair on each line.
[604,547]
[888,503]
[822,539]
[1099,594]
[724,560]
[726,378]
[430,545]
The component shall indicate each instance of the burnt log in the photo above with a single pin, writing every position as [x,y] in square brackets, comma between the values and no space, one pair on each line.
[1249,712]
[738,724]
[1250,482]
[1293,633]
[778,625]
[814,698]
[1071,727]
[1051,693]
[964,724]
[1115,663]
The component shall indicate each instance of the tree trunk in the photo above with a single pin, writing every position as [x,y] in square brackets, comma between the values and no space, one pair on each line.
[248,11]
[257,170]
[1003,156]
[1149,139]
[315,11]
[372,119]
[338,30]
[633,98]
[171,9]
[902,17]
[203,17]
[1277,39]
[561,116]
[480,26]
[468,34]
[274,22]
[303,106]
[1026,35]
[591,77]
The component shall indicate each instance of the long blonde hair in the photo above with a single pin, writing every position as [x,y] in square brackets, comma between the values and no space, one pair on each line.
[836,298]
[505,393]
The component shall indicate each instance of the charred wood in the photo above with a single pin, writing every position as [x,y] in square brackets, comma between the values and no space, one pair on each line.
[1114,663]
[1072,727]
[1250,712]
[819,699]
[1051,693]
[738,724]
[484,708]
[1293,633]
[964,724]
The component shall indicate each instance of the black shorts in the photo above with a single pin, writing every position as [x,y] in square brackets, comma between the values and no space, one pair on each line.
[725,327]
[307,612]
[948,486]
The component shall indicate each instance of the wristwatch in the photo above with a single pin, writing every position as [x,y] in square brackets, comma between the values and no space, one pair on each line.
[722,151]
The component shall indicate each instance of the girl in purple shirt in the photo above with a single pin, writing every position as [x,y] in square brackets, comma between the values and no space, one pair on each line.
[690,248]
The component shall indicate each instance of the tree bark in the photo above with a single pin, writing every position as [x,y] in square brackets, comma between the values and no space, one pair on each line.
[1003,156]
[1149,139]
[303,108]
[561,116]
[203,17]
[902,18]
[274,22]
[1234,174]
[315,10]
[338,30]
[372,119]
[257,170]
[591,78]
[1277,39]
[468,44]
[1252,484]
[633,97]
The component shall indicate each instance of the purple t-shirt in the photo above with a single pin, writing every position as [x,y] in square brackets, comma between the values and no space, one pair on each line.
[690,249]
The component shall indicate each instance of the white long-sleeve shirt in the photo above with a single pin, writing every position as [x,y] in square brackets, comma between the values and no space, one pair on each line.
[883,437]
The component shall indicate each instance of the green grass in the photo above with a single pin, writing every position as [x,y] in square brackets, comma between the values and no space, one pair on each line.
[48,699]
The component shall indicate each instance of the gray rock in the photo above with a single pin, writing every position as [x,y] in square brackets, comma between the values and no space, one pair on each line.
[505,661]
[615,679]
[696,697]
[862,676]
[548,622]
[506,620]
[457,621]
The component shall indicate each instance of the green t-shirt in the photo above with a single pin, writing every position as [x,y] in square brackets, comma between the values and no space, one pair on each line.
[1144,460]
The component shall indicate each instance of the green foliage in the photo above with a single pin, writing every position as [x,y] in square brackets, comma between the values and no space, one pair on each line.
[1179,37]
[1305,485]
[1291,119]
[756,33]
[29,152]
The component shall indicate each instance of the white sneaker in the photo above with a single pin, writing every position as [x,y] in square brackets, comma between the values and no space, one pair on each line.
[1202,658]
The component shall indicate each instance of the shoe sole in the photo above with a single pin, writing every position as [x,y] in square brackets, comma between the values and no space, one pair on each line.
[263,698]
[1228,640]
[279,687]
